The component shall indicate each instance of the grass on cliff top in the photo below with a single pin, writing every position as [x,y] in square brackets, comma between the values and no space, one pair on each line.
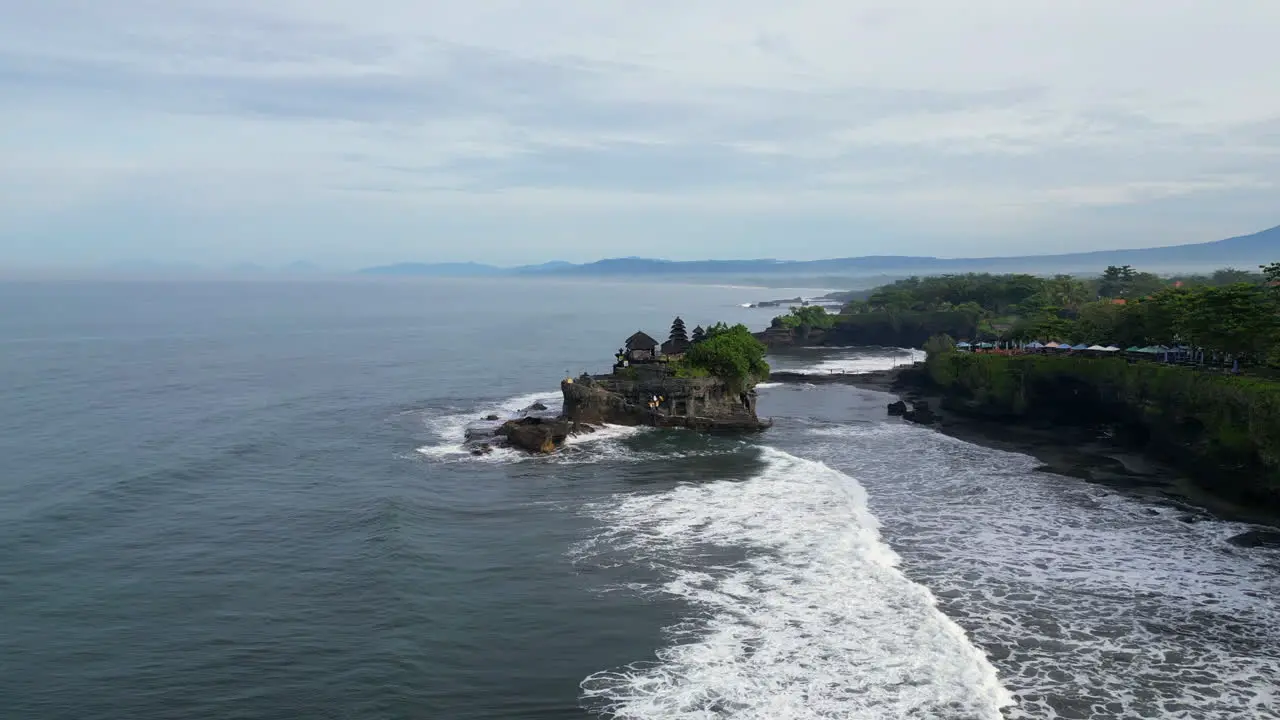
[686,371]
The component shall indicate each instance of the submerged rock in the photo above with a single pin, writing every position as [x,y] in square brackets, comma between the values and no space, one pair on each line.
[536,407]
[1257,538]
[921,413]
[491,418]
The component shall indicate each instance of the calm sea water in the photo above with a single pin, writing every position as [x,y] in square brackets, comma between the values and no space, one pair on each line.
[249,501]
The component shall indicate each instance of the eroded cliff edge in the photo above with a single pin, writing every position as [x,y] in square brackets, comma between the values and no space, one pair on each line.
[655,397]
[1222,430]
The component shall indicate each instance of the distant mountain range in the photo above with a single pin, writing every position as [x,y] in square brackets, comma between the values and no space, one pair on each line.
[1245,252]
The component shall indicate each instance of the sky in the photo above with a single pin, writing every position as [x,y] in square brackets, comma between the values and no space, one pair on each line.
[350,133]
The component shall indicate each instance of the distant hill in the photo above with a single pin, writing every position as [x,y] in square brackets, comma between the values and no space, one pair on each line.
[1244,252]
[467,269]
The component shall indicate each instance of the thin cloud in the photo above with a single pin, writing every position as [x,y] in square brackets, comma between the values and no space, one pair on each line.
[839,127]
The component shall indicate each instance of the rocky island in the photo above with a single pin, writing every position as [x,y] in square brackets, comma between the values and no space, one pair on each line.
[704,381]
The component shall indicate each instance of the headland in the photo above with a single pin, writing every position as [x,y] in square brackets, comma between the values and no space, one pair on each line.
[704,381]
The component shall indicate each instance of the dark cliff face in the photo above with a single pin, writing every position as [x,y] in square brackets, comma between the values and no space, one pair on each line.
[1224,432]
[698,403]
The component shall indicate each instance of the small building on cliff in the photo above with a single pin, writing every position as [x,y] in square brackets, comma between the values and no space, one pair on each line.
[640,348]
[645,389]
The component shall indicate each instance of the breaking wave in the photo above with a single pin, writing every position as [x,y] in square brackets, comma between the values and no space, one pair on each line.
[1092,604]
[450,430]
[814,620]
[864,362]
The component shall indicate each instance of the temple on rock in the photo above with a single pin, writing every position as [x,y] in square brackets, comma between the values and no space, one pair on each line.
[642,349]
[646,388]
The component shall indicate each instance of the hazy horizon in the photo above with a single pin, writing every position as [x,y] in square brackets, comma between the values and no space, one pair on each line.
[217,132]
[152,269]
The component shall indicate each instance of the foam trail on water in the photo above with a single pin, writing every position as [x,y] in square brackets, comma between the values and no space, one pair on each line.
[865,363]
[451,429]
[1097,604]
[815,621]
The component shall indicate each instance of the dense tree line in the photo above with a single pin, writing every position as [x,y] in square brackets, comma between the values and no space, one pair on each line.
[1228,313]
[729,352]
[1240,320]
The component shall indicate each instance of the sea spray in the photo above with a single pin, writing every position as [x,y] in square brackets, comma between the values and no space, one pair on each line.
[816,620]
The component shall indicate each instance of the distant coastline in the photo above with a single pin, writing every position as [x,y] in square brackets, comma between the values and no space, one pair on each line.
[1243,250]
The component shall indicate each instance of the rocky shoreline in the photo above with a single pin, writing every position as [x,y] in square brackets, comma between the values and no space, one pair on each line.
[652,397]
[1090,453]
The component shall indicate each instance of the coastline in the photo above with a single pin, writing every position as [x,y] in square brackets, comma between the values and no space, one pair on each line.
[1075,452]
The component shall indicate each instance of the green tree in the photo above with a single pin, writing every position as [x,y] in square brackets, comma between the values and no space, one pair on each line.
[1236,319]
[732,354]
[1046,326]
[1231,276]
[1065,291]
[1271,273]
[1102,321]
[1152,321]
[720,328]
[808,316]
[938,345]
[1115,280]
[1125,282]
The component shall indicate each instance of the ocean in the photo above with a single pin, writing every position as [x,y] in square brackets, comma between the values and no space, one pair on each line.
[249,500]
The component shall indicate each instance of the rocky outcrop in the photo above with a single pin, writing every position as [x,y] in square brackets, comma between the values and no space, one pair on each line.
[897,409]
[540,435]
[781,337]
[1256,539]
[920,413]
[657,399]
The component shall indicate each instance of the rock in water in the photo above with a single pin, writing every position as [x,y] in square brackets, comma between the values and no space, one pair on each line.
[1256,538]
[536,435]
[491,418]
[897,409]
[536,407]
[921,413]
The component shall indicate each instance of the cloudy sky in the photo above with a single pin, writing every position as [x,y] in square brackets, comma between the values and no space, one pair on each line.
[351,133]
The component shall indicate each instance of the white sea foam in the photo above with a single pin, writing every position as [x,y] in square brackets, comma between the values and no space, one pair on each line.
[451,428]
[863,362]
[1096,604]
[815,621]
[606,433]
[767,385]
